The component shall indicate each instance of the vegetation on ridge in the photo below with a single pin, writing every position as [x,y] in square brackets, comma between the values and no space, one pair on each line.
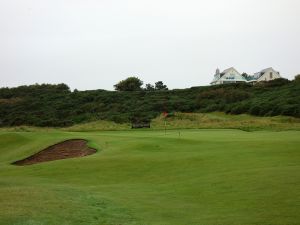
[55,105]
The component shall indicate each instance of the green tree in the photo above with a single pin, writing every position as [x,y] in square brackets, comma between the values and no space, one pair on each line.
[297,78]
[159,85]
[149,87]
[129,84]
[246,76]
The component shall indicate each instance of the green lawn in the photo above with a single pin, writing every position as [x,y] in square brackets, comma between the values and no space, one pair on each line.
[202,177]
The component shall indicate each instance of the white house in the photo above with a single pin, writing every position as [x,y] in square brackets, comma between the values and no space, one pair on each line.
[230,75]
[266,75]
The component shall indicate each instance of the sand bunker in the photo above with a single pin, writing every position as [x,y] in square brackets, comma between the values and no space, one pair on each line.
[63,150]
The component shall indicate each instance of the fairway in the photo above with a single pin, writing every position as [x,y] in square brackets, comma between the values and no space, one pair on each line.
[187,177]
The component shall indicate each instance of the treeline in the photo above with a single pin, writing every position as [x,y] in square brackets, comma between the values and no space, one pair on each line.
[57,105]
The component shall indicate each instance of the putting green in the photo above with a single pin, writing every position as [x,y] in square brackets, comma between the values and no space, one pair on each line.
[209,177]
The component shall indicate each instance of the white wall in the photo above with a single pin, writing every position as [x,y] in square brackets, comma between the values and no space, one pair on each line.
[267,75]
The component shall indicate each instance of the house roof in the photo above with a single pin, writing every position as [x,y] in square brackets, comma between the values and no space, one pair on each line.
[227,70]
[264,70]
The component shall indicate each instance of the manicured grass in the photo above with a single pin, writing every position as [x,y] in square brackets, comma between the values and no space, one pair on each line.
[209,177]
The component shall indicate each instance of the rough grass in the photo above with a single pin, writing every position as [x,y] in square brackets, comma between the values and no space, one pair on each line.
[98,125]
[211,177]
[222,120]
[217,120]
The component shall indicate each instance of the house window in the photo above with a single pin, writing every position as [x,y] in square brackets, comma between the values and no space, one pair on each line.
[271,75]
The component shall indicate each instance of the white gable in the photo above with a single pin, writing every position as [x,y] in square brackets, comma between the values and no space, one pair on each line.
[268,74]
[230,75]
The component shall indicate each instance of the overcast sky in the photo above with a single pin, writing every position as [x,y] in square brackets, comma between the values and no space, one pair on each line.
[92,44]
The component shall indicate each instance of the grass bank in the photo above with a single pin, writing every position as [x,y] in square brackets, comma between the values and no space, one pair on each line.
[216,120]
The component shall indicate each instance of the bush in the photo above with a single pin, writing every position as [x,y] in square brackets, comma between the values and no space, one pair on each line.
[55,105]
[240,108]
[129,84]
[274,83]
[297,78]
[255,110]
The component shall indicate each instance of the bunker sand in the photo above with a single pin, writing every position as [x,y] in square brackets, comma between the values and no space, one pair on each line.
[67,149]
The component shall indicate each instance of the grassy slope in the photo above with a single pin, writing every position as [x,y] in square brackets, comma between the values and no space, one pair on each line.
[210,177]
[186,121]
[222,120]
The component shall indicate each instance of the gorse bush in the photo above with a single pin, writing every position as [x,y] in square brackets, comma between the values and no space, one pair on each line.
[57,106]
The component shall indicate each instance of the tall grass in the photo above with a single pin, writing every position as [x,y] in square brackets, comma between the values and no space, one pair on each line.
[222,120]
[216,120]
[98,125]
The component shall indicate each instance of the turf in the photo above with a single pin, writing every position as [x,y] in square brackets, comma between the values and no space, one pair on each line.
[209,177]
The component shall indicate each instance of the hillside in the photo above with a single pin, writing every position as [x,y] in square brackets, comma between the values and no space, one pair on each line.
[56,106]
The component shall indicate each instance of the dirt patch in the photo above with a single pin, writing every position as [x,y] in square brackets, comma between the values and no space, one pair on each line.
[63,150]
